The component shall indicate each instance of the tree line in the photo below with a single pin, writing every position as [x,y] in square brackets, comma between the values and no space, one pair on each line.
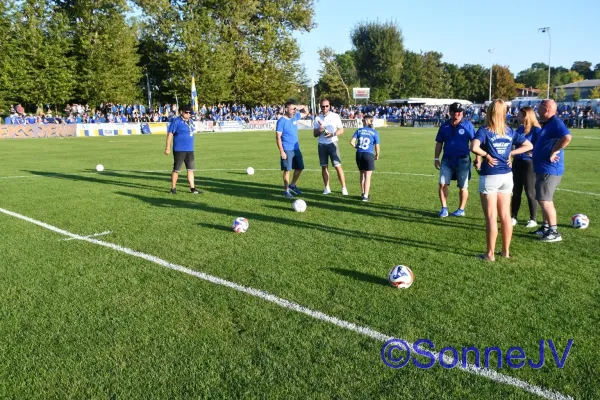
[379,60]
[55,52]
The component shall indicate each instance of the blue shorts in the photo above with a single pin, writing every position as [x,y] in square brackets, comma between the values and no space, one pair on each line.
[294,160]
[461,172]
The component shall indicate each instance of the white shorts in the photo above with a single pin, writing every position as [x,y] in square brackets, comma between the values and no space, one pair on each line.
[502,183]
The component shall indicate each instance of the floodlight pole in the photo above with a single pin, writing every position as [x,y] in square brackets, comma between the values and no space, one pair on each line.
[546,29]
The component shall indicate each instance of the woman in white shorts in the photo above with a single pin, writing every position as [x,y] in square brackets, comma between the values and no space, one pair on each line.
[494,142]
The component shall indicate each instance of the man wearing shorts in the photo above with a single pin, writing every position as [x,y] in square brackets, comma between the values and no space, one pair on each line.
[181,134]
[454,136]
[549,166]
[328,126]
[289,148]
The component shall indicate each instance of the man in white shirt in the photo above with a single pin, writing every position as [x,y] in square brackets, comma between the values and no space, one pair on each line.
[328,126]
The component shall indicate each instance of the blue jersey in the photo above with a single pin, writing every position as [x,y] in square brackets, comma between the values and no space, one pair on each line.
[499,147]
[552,130]
[183,134]
[366,138]
[288,127]
[456,140]
[531,136]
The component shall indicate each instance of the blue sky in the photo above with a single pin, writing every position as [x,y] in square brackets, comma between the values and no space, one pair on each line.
[464,30]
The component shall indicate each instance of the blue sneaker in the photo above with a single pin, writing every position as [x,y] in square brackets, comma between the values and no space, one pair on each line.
[443,212]
[288,194]
[295,190]
[458,213]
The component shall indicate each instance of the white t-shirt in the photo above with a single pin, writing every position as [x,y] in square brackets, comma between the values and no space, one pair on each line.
[332,123]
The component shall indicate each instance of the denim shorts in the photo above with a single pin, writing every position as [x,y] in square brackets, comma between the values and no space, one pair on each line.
[460,172]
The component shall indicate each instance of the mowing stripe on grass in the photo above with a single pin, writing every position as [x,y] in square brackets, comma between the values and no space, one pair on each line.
[490,374]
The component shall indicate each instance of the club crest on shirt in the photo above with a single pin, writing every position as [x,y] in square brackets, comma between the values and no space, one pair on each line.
[461,131]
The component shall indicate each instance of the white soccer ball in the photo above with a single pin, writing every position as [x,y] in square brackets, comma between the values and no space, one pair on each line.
[99,167]
[401,277]
[299,205]
[580,221]
[240,225]
[250,171]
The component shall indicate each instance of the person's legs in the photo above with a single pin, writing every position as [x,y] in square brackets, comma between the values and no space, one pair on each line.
[506,226]
[490,210]
[445,177]
[367,183]
[518,182]
[298,165]
[334,154]
[462,176]
[530,190]
[324,162]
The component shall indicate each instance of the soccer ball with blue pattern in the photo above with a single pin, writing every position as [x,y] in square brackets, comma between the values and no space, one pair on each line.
[401,277]
[580,221]
[240,225]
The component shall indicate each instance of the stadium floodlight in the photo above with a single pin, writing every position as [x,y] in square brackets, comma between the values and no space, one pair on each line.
[491,68]
[546,29]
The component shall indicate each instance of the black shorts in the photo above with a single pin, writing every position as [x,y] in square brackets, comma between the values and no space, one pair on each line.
[180,157]
[365,161]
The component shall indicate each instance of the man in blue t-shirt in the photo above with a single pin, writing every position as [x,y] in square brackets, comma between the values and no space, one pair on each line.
[454,136]
[289,148]
[181,134]
[549,166]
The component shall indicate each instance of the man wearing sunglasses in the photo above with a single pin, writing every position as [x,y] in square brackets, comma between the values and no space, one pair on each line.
[328,126]
[181,134]
[289,148]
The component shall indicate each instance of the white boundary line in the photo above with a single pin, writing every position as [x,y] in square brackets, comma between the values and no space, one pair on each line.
[486,373]
[265,169]
[89,236]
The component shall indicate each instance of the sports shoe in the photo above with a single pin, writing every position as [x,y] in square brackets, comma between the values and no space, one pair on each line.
[458,213]
[443,212]
[288,194]
[295,190]
[551,237]
[344,191]
[194,191]
[541,231]
[514,221]
[531,224]
[173,191]
[327,191]
[366,198]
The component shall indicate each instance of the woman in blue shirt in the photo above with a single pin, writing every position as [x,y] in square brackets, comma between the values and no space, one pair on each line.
[494,142]
[523,175]
[366,142]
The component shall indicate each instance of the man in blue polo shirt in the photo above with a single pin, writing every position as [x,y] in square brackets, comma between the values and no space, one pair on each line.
[549,166]
[181,134]
[454,136]
[289,148]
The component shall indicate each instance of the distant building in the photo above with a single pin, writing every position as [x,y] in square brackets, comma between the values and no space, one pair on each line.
[527,92]
[584,88]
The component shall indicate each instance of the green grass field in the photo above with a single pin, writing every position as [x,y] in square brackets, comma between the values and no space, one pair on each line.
[81,320]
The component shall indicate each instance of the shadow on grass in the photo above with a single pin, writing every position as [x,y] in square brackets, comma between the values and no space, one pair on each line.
[100,178]
[178,203]
[360,276]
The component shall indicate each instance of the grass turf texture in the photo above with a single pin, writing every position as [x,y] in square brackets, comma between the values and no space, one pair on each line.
[82,321]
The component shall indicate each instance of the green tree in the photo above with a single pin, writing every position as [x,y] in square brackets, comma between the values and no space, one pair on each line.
[456,87]
[332,71]
[8,64]
[379,51]
[583,68]
[434,76]
[576,94]
[595,93]
[503,83]
[560,94]
[543,88]
[596,71]
[477,76]
[411,78]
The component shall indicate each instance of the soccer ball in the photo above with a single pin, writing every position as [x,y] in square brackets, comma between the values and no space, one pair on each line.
[250,171]
[580,221]
[99,167]
[240,225]
[401,277]
[299,206]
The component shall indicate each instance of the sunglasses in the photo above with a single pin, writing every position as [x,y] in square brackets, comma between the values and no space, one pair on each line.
[187,112]
[325,106]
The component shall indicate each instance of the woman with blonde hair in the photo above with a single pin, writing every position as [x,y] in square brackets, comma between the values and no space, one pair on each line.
[494,142]
[523,175]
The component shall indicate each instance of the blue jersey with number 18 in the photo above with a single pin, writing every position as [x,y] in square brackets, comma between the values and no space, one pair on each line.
[366,139]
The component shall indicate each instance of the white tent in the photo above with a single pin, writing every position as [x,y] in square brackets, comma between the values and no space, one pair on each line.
[427,101]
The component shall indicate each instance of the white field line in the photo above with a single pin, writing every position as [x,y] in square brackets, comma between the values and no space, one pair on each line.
[89,236]
[578,192]
[590,137]
[486,373]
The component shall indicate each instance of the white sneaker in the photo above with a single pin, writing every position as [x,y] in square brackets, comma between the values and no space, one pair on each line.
[514,221]
[326,191]
[345,191]
[531,224]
